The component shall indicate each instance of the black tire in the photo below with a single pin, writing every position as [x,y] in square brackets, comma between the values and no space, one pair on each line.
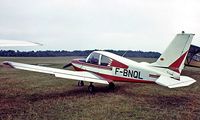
[111,86]
[81,83]
[91,88]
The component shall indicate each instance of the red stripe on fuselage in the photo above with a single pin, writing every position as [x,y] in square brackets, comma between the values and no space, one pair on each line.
[122,79]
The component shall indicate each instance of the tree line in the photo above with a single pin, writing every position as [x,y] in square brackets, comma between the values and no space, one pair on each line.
[61,53]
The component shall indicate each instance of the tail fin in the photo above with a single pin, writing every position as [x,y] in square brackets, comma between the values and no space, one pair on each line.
[175,54]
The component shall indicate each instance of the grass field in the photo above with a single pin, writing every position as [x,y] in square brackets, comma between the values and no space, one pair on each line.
[30,95]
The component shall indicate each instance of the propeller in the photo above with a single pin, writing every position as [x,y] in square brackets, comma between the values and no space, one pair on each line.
[67,65]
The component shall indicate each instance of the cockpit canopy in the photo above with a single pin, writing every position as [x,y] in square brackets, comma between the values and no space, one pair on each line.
[98,59]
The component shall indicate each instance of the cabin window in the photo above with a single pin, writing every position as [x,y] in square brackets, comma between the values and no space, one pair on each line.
[94,58]
[105,61]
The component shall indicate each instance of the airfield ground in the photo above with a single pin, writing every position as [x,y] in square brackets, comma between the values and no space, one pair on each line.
[30,95]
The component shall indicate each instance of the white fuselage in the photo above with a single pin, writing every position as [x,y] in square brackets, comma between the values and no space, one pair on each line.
[131,71]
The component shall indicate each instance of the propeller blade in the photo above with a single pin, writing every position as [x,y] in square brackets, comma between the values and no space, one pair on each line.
[67,65]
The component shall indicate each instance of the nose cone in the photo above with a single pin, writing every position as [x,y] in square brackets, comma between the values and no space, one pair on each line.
[78,63]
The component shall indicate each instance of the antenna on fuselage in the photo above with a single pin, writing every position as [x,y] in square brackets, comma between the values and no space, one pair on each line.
[124,53]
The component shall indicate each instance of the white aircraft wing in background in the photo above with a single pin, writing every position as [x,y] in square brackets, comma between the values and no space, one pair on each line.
[15,43]
[61,73]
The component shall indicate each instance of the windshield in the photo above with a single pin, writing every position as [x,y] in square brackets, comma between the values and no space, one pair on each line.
[93,58]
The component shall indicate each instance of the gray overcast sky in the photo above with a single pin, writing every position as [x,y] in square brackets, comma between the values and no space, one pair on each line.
[147,25]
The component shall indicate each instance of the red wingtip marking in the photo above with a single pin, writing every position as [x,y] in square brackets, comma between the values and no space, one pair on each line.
[175,65]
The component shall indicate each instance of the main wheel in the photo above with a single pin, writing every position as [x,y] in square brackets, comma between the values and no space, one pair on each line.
[91,88]
[111,86]
[78,83]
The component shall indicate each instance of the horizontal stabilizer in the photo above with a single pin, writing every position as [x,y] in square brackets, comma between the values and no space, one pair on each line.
[61,73]
[174,83]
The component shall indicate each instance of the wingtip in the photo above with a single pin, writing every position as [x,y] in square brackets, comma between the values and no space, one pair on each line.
[36,43]
[7,64]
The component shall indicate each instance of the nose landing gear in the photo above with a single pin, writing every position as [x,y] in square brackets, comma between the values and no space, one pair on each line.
[80,83]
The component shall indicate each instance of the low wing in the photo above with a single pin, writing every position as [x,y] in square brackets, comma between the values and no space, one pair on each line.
[12,43]
[68,74]
[173,83]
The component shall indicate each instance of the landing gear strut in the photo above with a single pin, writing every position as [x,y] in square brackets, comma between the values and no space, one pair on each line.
[111,86]
[91,88]
[80,83]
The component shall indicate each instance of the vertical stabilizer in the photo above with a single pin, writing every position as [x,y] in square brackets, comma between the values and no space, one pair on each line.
[175,54]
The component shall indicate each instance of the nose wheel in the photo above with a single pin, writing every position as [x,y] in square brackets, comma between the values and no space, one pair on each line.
[80,83]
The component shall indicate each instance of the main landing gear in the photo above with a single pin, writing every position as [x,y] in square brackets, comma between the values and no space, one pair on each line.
[111,86]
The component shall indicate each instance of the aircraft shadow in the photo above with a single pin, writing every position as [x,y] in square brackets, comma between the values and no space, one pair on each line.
[76,92]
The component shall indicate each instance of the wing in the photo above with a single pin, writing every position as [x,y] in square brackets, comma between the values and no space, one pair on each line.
[12,43]
[68,74]
[173,83]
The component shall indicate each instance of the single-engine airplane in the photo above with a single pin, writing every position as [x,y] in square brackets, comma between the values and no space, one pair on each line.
[106,68]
